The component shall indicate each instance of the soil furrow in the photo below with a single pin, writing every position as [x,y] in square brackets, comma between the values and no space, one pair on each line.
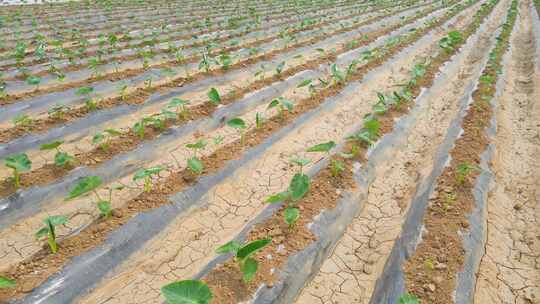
[509,271]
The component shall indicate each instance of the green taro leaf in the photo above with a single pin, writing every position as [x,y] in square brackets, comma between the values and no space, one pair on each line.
[324,147]
[249,269]
[278,197]
[6,283]
[19,162]
[104,207]
[195,165]
[237,123]
[299,186]
[200,144]
[51,146]
[187,292]
[213,94]
[56,220]
[62,159]
[291,215]
[42,232]
[304,83]
[33,80]
[250,248]
[177,102]
[143,173]
[231,246]
[85,185]
[408,299]
[300,161]
[84,91]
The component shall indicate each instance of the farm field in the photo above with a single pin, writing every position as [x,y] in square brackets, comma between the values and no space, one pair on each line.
[307,151]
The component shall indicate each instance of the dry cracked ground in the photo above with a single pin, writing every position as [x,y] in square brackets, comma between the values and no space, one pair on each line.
[158,130]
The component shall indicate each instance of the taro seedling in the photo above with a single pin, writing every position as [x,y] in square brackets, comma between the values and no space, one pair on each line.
[338,76]
[308,83]
[450,41]
[101,138]
[243,255]
[6,283]
[180,105]
[22,120]
[146,175]
[381,106]
[33,81]
[280,68]
[300,162]
[225,61]
[298,188]
[369,132]
[61,158]
[240,125]
[187,292]
[259,120]
[408,298]
[215,98]
[281,104]
[50,231]
[336,166]
[463,170]
[194,163]
[85,92]
[205,63]
[18,163]
[90,184]
[57,112]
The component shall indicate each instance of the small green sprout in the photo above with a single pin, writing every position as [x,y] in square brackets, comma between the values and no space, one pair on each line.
[50,231]
[34,80]
[336,166]
[240,125]
[463,170]
[298,188]
[243,255]
[408,298]
[90,184]
[146,174]
[6,283]
[101,138]
[180,105]
[280,68]
[300,162]
[61,158]
[19,163]
[194,163]
[22,120]
[259,120]
[215,98]
[187,292]
[370,131]
[281,104]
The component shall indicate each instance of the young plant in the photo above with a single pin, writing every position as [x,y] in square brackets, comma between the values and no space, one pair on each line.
[57,112]
[281,104]
[336,166]
[187,292]
[180,105]
[194,163]
[338,76]
[215,98]
[19,163]
[259,120]
[370,131]
[308,83]
[243,255]
[146,174]
[34,81]
[300,162]
[280,68]
[91,104]
[6,283]
[298,188]
[462,171]
[90,184]
[50,231]
[240,125]
[101,138]
[381,106]
[450,41]
[22,120]
[205,63]
[61,158]
[408,298]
